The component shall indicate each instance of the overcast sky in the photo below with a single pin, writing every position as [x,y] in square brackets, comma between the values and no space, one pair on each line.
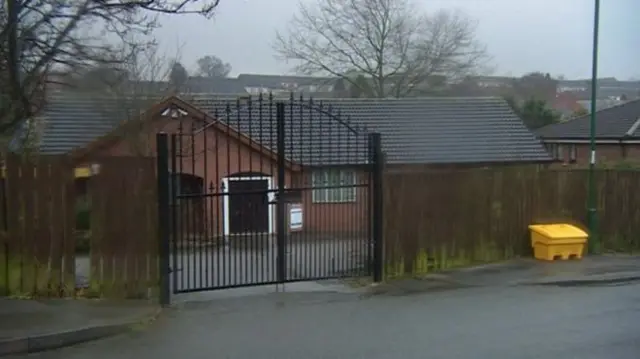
[552,36]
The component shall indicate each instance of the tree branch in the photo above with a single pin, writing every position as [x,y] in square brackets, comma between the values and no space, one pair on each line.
[41,36]
[389,42]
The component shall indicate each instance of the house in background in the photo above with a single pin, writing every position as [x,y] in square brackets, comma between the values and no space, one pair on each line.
[255,84]
[617,136]
[234,149]
[567,105]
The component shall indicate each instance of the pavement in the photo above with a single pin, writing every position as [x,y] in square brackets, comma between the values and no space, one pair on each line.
[36,325]
[591,270]
[561,294]
[513,321]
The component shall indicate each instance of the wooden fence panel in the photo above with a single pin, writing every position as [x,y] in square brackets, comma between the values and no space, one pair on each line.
[459,217]
[124,240]
[14,264]
[65,230]
[35,235]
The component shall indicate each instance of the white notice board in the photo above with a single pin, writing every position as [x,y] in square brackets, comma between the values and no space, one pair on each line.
[295,217]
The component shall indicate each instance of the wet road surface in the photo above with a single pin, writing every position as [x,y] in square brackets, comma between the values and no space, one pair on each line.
[490,322]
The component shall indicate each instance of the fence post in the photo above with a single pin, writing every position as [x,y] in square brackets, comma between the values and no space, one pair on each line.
[162,168]
[377,165]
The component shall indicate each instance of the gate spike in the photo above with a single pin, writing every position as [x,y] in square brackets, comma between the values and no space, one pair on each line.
[211,187]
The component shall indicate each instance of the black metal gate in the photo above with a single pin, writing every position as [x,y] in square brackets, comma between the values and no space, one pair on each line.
[263,191]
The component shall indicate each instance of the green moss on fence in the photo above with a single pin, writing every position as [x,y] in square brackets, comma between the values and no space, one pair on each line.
[444,259]
[22,277]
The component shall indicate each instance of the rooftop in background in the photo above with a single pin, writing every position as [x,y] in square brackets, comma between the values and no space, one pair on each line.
[617,122]
[415,130]
[432,130]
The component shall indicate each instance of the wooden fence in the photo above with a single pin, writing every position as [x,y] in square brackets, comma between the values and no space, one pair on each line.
[40,203]
[454,218]
[451,218]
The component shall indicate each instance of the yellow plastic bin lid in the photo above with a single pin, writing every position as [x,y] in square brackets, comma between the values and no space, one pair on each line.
[561,230]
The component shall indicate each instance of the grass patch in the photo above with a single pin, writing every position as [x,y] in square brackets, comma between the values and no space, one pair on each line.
[28,278]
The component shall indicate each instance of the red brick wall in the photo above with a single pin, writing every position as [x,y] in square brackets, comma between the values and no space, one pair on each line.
[234,157]
[605,153]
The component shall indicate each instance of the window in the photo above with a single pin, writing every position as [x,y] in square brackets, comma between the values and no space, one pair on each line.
[185,184]
[554,150]
[573,153]
[334,178]
[558,153]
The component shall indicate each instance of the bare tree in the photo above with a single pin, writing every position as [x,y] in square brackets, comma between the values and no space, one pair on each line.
[213,66]
[389,42]
[148,80]
[40,36]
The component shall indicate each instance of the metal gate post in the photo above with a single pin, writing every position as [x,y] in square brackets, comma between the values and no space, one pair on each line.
[377,165]
[280,203]
[162,167]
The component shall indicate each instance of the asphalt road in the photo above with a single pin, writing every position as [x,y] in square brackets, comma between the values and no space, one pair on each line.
[489,322]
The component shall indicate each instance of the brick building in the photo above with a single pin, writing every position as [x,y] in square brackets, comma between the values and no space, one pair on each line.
[617,136]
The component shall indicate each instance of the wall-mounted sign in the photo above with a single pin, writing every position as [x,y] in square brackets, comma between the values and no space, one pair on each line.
[295,217]
[95,169]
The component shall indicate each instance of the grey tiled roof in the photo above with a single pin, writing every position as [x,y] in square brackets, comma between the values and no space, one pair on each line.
[612,123]
[314,133]
[420,130]
[73,120]
[414,130]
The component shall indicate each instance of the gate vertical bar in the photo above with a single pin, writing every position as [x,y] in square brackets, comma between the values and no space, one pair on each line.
[280,204]
[162,166]
[377,159]
[173,204]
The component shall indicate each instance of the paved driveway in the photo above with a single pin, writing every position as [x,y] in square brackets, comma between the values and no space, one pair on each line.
[225,266]
[214,267]
[487,322]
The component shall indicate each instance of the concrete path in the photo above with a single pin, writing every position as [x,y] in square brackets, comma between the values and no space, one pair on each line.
[514,322]
[34,325]
[531,271]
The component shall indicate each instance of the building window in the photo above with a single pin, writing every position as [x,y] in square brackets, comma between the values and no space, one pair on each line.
[341,186]
[559,154]
[573,153]
[185,184]
[554,150]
